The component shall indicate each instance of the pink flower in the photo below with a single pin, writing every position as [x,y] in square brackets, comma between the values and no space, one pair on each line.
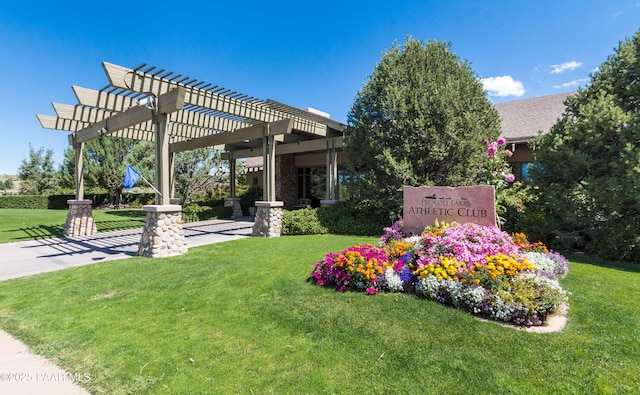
[493,148]
[510,177]
[501,141]
[372,291]
[508,153]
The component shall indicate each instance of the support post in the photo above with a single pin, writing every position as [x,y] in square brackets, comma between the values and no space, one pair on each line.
[78,146]
[162,158]
[172,175]
[163,235]
[232,200]
[332,175]
[269,165]
[268,221]
[79,219]
[232,175]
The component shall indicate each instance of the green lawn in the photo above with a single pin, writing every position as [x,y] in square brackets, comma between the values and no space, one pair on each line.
[239,317]
[18,225]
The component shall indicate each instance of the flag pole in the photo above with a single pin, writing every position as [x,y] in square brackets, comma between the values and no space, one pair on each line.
[154,188]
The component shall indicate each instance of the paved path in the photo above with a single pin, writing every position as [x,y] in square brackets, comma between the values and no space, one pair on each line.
[21,371]
[40,256]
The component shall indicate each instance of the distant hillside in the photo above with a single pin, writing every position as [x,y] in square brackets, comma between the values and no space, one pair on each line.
[16,184]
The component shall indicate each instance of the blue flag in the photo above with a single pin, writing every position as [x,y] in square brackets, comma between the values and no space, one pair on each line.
[131,176]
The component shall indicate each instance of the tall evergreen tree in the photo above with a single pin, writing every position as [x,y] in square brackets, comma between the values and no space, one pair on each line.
[589,164]
[420,119]
[37,173]
[106,162]
[193,171]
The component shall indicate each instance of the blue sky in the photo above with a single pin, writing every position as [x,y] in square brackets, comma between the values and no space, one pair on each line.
[305,54]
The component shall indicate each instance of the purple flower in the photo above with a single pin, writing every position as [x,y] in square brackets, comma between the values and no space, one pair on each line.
[406,275]
[501,141]
[510,177]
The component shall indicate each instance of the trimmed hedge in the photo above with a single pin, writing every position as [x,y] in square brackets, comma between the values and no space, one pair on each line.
[348,218]
[59,202]
[196,212]
[40,202]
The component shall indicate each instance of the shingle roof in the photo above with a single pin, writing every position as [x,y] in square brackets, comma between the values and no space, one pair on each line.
[523,119]
[253,163]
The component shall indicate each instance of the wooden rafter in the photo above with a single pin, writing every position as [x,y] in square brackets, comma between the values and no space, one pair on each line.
[214,100]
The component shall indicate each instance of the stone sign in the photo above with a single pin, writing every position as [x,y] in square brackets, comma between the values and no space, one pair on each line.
[423,205]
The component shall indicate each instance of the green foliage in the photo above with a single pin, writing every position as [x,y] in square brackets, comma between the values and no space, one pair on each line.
[8,183]
[193,171]
[347,218]
[248,196]
[302,222]
[365,218]
[589,164]
[59,201]
[106,160]
[37,173]
[196,212]
[24,202]
[67,170]
[420,119]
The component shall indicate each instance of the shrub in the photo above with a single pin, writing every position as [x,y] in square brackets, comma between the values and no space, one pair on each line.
[196,212]
[24,202]
[354,218]
[302,222]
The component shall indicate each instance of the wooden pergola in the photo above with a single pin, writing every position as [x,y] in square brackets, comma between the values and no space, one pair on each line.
[181,113]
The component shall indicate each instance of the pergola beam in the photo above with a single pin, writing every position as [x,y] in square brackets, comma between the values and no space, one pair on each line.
[168,102]
[294,148]
[118,103]
[125,78]
[238,136]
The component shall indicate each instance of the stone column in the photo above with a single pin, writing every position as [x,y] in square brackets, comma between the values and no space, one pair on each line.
[235,203]
[163,235]
[268,219]
[79,219]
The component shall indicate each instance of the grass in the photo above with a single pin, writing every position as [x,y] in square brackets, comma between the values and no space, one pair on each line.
[18,224]
[239,317]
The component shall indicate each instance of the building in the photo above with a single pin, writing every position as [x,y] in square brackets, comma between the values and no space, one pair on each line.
[522,120]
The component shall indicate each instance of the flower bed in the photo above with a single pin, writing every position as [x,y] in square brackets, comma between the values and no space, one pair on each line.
[479,269]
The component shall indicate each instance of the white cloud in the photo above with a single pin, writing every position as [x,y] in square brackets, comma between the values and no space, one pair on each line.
[572,83]
[503,86]
[566,66]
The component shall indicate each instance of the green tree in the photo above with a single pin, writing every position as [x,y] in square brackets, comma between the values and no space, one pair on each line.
[8,183]
[67,170]
[420,119]
[106,159]
[37,173]
[193,172]
[589,164]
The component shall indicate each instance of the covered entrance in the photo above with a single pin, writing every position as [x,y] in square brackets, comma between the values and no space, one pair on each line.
[180,113]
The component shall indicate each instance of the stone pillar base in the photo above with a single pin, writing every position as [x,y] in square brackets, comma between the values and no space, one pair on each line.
[79,219]
[162,235]
[329,202]
[235,203]
[268,221]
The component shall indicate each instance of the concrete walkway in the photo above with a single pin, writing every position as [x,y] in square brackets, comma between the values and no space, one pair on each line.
[21,371]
